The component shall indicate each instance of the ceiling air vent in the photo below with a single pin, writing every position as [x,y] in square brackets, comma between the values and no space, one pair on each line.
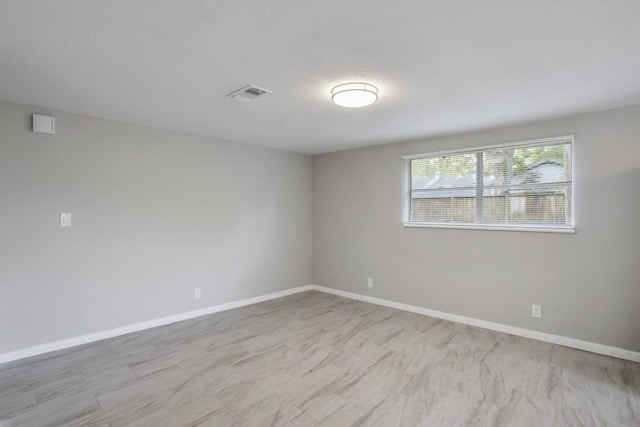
[247,93]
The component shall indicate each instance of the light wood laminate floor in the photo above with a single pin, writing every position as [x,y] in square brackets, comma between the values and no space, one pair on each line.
[316,359]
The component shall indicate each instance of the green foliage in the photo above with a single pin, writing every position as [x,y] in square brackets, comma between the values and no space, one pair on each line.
[449,165]
[502,164]
[508,163]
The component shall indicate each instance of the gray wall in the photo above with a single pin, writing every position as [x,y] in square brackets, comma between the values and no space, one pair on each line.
[588,283]
[158,213]
[155,215]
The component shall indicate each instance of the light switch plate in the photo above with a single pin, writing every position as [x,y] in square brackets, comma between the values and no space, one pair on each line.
[65,219]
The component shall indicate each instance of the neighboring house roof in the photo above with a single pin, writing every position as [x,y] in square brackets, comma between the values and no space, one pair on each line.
[444,182]
[544,162]
[454,186]
[545,171]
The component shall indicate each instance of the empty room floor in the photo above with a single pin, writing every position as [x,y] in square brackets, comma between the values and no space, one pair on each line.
[318,359]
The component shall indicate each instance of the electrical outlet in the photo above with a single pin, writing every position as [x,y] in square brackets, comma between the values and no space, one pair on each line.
[197,293]
[536,311]
[369,282]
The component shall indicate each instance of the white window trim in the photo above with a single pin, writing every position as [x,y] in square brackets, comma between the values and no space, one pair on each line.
[492,227]
[406,193]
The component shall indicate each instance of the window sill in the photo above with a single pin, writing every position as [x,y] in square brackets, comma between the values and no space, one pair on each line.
[564,230]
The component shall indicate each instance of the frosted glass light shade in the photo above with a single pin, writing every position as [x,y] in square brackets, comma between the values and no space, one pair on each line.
[354,95]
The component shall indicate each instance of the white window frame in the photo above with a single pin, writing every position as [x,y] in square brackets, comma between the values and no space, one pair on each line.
[406,194]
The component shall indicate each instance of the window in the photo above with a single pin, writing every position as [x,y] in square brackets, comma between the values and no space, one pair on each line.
[518,186]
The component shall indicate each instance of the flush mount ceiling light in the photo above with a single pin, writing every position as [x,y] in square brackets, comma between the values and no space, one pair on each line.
[354,95]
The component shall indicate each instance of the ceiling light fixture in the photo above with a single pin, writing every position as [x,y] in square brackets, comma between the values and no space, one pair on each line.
[354,95]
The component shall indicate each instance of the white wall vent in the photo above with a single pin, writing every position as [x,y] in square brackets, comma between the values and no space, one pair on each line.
[248,93]
[44,124]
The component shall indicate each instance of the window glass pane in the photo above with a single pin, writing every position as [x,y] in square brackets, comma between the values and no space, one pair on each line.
[443,189]
[548,163]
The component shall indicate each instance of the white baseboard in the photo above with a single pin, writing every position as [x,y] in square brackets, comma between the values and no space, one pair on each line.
[527,333]
[97,336]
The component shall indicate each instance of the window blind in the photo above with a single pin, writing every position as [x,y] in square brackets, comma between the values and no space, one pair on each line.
[521,185]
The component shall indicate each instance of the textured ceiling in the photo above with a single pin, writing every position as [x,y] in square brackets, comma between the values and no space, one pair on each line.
[442,66]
